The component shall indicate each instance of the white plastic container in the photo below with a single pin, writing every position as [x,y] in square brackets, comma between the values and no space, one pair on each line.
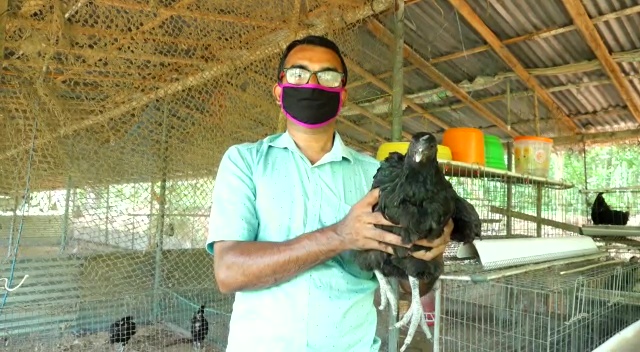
[532,155]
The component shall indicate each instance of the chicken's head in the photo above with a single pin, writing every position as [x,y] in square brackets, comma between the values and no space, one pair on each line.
[423,148]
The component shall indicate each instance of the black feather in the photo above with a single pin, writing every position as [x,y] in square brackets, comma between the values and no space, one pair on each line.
[199,326]
[415,194]
[602,214]
[122,330]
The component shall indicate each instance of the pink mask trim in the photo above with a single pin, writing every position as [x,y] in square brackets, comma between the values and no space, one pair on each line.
[310,86]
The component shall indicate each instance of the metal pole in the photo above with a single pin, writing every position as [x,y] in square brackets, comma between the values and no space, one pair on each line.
[509,188]
[106,216]
[396,127]
[161,212]
[12,227]
[65,219]
[509,228]
[438,316]
[398,82]
[538,210]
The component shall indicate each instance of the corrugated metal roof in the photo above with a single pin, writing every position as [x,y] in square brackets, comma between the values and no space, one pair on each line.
[433,29]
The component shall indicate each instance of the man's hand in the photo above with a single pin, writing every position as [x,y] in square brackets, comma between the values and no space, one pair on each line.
[358,231]
[437,247]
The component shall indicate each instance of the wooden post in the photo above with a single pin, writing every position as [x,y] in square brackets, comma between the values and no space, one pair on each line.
[164,151]
[396,129]
[509,105]
[398,82]
[536,113]
[509,225]
[539,210]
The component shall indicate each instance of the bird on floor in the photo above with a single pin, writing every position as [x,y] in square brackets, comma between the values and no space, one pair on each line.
[199,328]
[121,331]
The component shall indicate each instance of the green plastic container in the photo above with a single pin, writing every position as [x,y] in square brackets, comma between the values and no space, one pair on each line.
[494,152]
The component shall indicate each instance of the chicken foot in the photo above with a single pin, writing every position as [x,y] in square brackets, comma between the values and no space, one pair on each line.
[120,347]
[415,315]
[197,346]
[386,294]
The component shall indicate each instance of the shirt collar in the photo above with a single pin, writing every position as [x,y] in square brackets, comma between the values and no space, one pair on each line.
[337,152]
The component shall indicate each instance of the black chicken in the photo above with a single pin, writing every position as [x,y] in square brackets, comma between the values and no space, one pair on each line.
[121,331]
[199,328]
[415,195]
[602,214]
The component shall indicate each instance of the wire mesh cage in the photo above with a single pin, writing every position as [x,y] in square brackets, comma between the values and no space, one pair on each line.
[565,307]
[511,204]
[114,116]
[613,206]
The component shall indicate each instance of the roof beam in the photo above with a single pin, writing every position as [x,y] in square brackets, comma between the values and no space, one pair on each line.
[545,33]
[487,34]
[386,37]
[374,118]
[596,138]
[480,83]
[278,41]
[588,31]
[577,67]
[368,76]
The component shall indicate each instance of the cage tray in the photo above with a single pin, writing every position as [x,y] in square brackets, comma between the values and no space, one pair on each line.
[610,231]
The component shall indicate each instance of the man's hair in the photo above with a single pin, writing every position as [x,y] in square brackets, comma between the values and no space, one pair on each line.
[316,41]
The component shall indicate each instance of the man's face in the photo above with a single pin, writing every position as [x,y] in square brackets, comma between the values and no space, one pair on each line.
[312,58]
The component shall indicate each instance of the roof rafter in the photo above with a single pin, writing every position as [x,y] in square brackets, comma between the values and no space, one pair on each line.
[386,37]
[366,75]
[545,33]
[487,34]
[588,31]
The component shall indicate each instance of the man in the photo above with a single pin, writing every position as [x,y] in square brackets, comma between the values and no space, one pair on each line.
[287,212]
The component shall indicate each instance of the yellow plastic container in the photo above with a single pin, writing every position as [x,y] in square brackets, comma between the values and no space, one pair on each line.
[532,155]
[444,153]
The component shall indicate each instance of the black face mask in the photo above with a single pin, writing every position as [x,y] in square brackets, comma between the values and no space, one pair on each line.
[310,105]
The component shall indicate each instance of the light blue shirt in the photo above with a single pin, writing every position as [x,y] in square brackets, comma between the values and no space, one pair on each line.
[268,191]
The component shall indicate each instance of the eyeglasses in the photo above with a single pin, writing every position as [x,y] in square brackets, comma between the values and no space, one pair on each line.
[327,78]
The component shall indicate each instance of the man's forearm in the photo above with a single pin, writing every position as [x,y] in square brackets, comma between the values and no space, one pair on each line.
[253,265]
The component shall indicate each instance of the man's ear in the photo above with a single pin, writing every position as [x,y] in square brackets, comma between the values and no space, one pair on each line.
[345,95]
[277,91]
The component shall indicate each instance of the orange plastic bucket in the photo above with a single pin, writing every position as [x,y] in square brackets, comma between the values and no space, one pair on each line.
[466,144]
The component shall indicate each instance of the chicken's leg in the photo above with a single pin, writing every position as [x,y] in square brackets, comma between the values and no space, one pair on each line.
[386,294]
[120,347]
[414,315]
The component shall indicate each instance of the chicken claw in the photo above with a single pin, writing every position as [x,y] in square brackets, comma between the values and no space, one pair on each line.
[414,315]
[386,294]
[197,346]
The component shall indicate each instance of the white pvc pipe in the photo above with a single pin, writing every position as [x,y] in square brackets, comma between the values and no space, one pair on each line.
[627,340]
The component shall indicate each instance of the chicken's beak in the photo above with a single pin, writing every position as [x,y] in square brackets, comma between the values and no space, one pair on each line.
[419,155]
